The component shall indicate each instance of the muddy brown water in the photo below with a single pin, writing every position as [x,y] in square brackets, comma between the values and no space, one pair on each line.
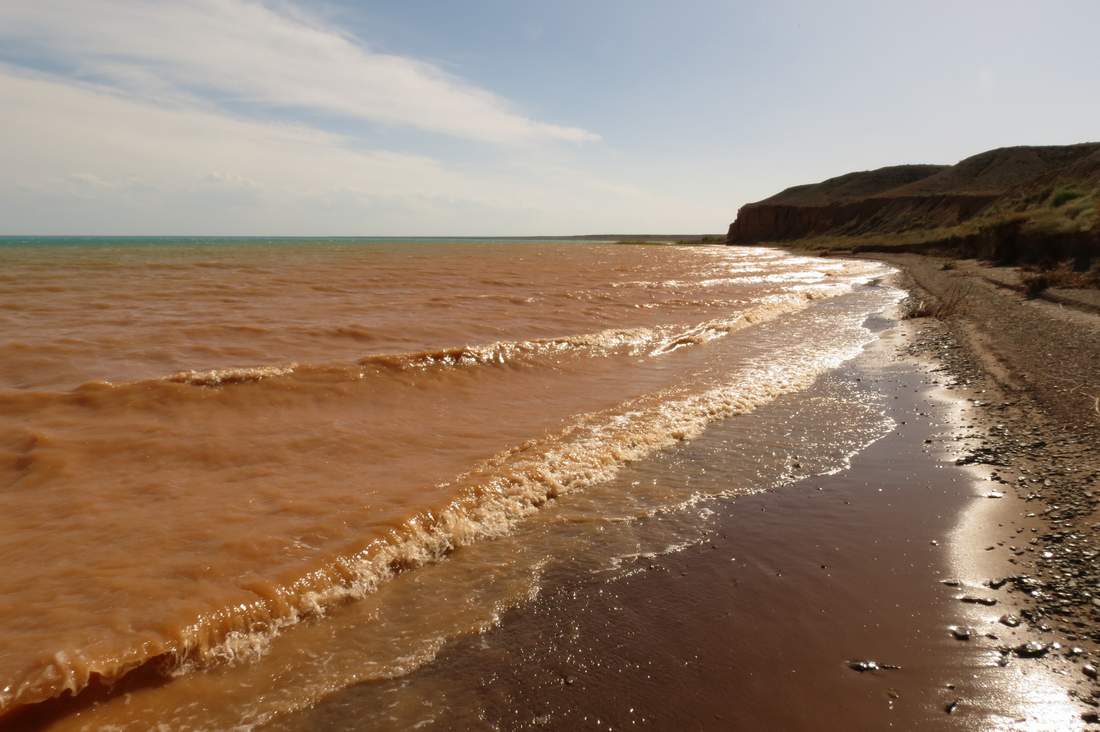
[234,477]
[752,620]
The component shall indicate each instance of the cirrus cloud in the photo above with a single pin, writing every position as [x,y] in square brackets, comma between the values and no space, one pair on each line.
[262,55]
[84,159]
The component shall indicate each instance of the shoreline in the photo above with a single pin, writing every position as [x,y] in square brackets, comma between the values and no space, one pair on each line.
[976,493]
[405,623]
[911,531]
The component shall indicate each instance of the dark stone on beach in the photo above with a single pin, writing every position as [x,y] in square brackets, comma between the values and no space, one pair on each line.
[1032,649]
[951,706]
[961,633]
[1010,620]
[871,666]
[1089,670]
[951,582]
[974,600]
[1091,717]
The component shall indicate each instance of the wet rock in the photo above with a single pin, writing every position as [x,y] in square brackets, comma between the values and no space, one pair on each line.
[1032,649]
[1089,670]
[951,582]
[871,666]
[1091,717]
[1055,465]
[951,706]
[961,633]
[976,600]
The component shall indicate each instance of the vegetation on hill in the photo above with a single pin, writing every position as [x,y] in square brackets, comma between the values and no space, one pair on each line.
[1011,204]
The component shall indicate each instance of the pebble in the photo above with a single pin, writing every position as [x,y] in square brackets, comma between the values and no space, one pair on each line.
[961,633]
[1055,465]
[865,666]
[1032,649]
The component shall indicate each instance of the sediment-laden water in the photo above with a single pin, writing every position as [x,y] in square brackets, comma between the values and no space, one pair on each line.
[242,469]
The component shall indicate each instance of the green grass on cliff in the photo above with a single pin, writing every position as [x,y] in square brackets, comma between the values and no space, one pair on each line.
[1061,211]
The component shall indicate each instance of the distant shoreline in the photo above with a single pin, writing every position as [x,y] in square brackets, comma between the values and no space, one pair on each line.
[8,238]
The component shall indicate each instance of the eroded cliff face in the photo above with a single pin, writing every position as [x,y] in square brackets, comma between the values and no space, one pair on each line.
[1019,202]
[765,221]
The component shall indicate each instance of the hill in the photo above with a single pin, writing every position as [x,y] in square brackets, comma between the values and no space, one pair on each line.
[1009,203]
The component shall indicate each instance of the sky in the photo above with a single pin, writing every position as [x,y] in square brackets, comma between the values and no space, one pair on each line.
[505,117]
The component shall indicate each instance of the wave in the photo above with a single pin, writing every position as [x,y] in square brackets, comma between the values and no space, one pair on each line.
[653,341]
[488,501]
[223,377]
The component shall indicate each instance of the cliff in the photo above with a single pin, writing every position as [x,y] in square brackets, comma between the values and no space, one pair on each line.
[1039,202]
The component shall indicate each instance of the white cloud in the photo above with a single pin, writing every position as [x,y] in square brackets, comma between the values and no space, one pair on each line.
[54,130]
[82,159]
[260,54]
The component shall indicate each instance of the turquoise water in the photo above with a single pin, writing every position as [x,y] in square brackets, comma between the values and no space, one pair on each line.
[190,241]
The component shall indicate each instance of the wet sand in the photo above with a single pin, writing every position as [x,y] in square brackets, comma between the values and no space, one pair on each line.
[756,626]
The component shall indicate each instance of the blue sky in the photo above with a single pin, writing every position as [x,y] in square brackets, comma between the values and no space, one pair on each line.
[428,118]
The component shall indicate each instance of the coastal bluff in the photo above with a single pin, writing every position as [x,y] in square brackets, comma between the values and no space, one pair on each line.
[1009,203]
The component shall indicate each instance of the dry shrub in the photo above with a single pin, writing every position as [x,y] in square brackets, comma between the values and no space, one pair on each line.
[952,301]
[942,308]
[1036,284]
[1059,275]
[912,308]
[1092,277]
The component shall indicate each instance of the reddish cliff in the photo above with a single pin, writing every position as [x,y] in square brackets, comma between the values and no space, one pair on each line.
[1018,193]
